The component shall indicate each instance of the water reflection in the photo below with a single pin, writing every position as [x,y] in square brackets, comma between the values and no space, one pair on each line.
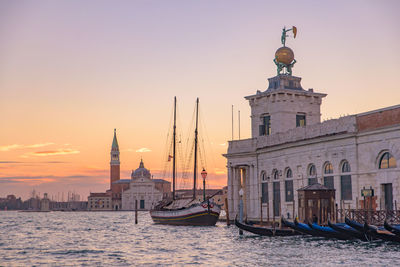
[112,238]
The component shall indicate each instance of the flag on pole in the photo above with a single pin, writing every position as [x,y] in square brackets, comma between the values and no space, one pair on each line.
[170,157]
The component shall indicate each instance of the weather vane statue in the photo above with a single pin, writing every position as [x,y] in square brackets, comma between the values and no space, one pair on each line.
[284,56]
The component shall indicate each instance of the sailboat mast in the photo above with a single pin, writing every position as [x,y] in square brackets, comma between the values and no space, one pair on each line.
[195,150]
[174,154]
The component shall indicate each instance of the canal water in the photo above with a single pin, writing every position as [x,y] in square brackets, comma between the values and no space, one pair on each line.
[112,239]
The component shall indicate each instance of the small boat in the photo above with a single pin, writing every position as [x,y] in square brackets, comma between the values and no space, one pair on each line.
[379,233]
[347,230]
[395,229]
[328,232]
[265,231]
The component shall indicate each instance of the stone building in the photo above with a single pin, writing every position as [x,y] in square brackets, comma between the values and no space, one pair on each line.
[99,202]
[143,189]
[291,148]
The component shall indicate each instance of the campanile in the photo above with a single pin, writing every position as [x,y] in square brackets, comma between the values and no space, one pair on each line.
[114,163]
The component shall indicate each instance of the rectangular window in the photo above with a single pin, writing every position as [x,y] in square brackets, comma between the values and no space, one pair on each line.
[328,182]
[142,204]
[264,192]
[300,120]
[312,181]
[289,190]
[345,186]
[265,127]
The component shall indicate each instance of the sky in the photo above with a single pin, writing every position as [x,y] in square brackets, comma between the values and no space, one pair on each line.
[72,71]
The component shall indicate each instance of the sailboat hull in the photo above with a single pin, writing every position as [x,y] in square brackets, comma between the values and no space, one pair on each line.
[196,215]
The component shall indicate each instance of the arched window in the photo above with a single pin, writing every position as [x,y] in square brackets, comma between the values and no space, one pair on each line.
[328,177]
[289,185]
[264,187]
[289,173]
[345,181]
[312,175]
[387,161]
[275,174]
[346,167]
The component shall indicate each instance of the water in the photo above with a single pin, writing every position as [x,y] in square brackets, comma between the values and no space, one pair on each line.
[112,239]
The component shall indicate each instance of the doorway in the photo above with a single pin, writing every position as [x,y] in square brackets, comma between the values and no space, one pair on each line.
[388,192]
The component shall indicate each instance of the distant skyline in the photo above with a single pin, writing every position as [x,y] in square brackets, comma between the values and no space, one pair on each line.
[72,71]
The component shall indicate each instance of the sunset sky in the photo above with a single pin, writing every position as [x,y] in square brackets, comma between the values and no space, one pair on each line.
[72,71]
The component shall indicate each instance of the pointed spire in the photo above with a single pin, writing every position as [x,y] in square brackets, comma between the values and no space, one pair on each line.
[115,146]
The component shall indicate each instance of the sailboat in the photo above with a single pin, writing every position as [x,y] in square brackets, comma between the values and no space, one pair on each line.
[186,211]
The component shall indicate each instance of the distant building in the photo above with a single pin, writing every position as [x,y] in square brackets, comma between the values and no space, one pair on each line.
[99,202]
[11,202]
[141,186]
[143,189]
[45,203]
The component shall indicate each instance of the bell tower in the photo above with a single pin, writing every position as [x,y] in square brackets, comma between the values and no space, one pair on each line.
[114,163]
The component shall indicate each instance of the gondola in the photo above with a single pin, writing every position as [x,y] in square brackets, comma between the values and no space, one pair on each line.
[379,233]
[356,225]
[395,229]
[328,232]
[347,230]
[265,231]
[299,227]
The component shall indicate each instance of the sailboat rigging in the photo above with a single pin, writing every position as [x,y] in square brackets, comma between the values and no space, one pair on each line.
[186,211]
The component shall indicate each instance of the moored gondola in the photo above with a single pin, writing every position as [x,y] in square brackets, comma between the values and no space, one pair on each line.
[265,231]
[328,232]
[379,233]
[347,230]
[395,229]
[356,225]
[299,227]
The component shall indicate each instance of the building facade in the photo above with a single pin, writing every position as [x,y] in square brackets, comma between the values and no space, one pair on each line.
[142,188]
[99,202]
[290,148]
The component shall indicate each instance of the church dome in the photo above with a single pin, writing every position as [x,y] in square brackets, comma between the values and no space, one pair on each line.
[284,55]
[141,172]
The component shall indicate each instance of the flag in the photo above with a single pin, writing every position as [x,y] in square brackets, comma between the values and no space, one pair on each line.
[170,157]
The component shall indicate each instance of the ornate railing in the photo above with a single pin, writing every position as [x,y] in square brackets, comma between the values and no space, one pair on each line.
[375,217]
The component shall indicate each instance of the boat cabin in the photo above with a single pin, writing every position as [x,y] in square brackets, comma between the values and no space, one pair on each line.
[316,204]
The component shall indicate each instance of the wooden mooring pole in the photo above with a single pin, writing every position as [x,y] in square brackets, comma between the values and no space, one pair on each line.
[136,219]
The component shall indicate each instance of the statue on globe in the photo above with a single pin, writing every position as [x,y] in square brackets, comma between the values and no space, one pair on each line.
[284,56]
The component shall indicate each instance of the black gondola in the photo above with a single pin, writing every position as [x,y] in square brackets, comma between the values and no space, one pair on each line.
[379,233]
[392,228]
[356,225]
[299,227]
[347,230]
[329,232]
[265,231]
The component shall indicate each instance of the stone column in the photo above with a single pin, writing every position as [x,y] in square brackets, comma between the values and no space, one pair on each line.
[229,196]
[238,183]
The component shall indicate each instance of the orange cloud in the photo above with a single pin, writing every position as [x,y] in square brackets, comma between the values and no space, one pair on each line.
[144,149]
[17,146]
[53,152]
[39,145]
[10,147]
